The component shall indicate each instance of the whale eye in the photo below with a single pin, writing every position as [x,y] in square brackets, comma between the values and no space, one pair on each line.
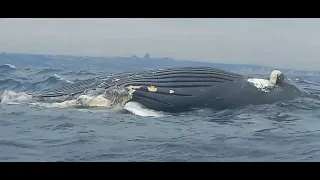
[280,78]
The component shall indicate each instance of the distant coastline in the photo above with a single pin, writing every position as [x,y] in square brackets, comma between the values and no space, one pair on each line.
[32,58]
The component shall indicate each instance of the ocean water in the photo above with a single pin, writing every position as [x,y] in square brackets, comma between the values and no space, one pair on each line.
[71,131]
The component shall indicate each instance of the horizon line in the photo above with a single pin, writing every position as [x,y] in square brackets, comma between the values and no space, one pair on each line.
[171,58]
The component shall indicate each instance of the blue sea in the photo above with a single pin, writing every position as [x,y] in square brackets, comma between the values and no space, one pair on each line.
[50,131]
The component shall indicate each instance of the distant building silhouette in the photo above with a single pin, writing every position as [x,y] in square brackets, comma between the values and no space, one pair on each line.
[135,57]
[147,56]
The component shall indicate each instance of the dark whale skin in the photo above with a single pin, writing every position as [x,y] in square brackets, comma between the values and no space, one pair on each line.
[227,95]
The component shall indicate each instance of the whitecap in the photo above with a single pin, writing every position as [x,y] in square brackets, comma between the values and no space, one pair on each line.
[10,66]
[11,97]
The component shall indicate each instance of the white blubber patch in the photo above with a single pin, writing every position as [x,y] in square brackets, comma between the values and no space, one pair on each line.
[98,101]
[262,84]
[11,97]
[63,104]
[83,100]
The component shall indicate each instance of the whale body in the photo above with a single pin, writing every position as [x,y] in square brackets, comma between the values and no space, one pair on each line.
[184,88]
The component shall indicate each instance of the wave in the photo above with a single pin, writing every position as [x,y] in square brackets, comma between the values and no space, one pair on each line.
[5,68]
[9,84]
[11,97]
[48,70]
[49,83]
[115,101]
[60,78]
[80,73]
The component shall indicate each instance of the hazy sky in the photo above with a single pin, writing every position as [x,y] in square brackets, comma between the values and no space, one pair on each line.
[293,43]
